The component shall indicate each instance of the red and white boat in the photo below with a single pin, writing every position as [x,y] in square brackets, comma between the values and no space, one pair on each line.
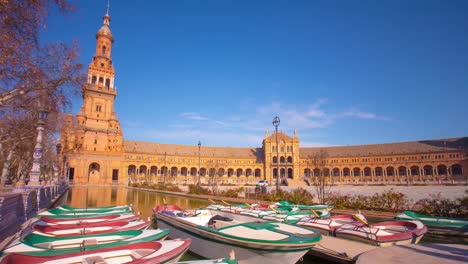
[138,253]
[327,226]
[89,228]
[355,227]
[44,220]
[384,233]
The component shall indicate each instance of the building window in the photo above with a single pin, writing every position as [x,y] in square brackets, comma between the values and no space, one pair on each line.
[95,141]
[98,108]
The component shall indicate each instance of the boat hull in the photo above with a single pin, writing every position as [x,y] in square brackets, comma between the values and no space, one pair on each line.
[89,220]
[453,226]
[90,229]
[146,252]
[209,245]
[385,233]
[37,244]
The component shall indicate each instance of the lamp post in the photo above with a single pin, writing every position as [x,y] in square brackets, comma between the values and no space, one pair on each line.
[58,148]
[276,122]
[199,161]
[37,154]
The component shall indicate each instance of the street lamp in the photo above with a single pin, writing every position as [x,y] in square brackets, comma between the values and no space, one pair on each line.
[58,148]
[276,122]
[199,161]
[37,154]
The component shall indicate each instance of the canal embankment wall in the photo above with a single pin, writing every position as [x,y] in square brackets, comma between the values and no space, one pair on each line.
[19,206]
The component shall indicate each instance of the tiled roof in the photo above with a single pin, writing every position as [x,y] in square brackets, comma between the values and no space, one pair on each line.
[131,146]
[416,147]
[437,145]
[281,136]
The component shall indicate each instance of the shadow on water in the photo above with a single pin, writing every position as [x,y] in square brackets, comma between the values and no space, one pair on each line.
[144,201]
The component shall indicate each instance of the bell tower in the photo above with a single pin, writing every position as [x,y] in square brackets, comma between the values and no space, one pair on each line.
[93,144]
[99,127]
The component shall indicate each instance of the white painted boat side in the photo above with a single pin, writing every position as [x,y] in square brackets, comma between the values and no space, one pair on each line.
[209,249]
[76,242]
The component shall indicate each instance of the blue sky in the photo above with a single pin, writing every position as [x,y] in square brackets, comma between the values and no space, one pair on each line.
[340,72]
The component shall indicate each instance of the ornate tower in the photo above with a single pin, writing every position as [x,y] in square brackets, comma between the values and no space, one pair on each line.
[93,151]
[100,128]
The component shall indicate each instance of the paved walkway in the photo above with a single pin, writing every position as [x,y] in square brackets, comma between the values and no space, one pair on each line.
[417,254]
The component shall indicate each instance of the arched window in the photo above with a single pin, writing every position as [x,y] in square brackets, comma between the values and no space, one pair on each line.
[275,159]
[290,159]
[103,50]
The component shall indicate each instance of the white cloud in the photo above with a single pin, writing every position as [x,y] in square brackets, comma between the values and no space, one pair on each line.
[193,116]
[246,126]
[362,115]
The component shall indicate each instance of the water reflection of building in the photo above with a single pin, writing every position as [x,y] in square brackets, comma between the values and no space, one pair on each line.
[96,152]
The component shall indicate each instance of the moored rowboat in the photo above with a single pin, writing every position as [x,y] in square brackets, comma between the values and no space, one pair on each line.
[56,220]
[34,243]
[265,242]
[91,209]
[384,233]
[89,229]
[328,226]
[56,212]
[317,207]
[458,225]
[145,252]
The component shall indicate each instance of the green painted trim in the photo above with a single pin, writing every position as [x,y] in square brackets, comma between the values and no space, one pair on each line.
[33,239]
[433,220]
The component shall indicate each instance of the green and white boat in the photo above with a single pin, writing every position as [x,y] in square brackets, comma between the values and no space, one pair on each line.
[35,244]
[60,213]
[317,207]
[253,242]
[94,209]
[457,226]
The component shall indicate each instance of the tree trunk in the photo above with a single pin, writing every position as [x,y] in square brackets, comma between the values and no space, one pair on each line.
[6,166]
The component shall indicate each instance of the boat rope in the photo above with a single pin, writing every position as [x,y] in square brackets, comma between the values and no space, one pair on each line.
[344,254]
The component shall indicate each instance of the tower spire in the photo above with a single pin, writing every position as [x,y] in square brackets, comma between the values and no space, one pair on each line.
[108,7]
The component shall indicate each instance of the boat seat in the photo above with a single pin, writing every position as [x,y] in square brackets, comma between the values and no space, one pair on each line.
[94,260]
[140,253]
[46,245]
[90,242]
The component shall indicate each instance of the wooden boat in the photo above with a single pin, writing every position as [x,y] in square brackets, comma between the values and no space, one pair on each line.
[89,229]
[288,215]
[93,209]
[327,226]
[443,224]
[253,242]
[384,233]
[317,207]
[54,245]
[57,212]
[294,215]
[45,220]
[145,252]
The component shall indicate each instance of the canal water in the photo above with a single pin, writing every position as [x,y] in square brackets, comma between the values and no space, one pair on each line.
[144,201]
